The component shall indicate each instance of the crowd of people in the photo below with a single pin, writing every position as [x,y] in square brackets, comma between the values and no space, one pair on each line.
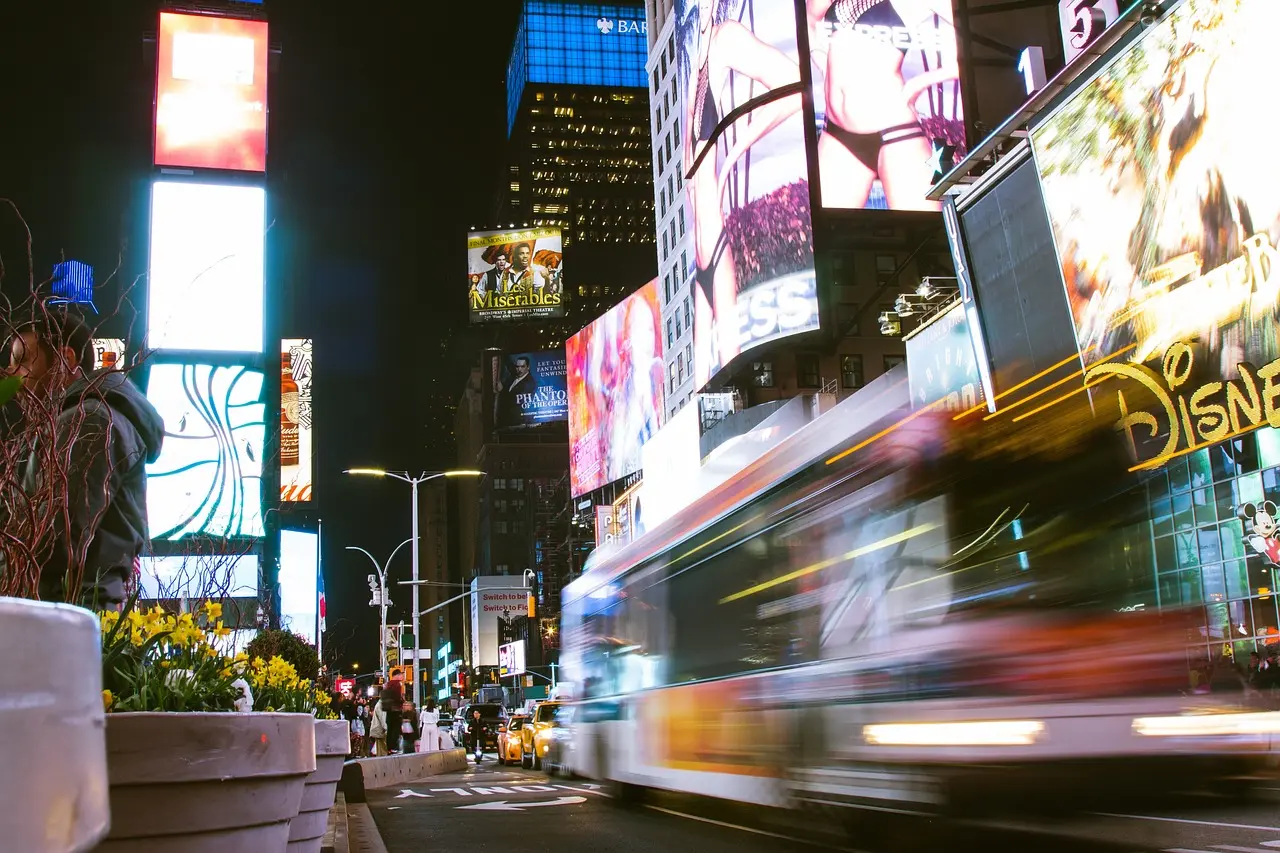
[387,724]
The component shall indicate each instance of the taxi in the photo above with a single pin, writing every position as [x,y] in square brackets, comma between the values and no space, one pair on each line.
[511,739]
[537,734]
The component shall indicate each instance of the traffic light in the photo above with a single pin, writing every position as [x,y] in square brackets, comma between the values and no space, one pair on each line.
[533,607]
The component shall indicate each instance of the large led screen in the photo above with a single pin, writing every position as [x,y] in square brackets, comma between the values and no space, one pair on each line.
[199,576]
[747,179]
[205,290]
[615,390]
[515,275]
[531,390]
[208,479]
[299,582]
[296,431]
[886,91]
[941,364]
[1163,190]
[211,93]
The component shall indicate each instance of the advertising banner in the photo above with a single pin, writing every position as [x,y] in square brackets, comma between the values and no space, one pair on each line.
[296,442]
[299,579]
[886,90]
[531,390]
[615,386]
[205,290]
[511,659]
[108,353]
[941,363]
[747,179]
[1164,200]
[1083,21]
[488,605]
[515,275]
[211,93]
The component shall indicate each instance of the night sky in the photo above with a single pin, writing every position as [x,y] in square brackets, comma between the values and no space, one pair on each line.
[385,142]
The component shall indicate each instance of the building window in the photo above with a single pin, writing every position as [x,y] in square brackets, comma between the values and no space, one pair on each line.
[885,265]
[499,484]
[500,527]
[681,214]
[501,568]
[517,526]
[664,245]
[762,374]
[807,372]
[670,338]
[666,286]
[851,371]
[684,266]
[687,321]
[892,361]
[680,365]
[499,505]
[688,355]
[518,485]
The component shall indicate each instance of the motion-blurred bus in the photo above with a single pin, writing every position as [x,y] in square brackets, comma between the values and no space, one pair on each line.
[916,611]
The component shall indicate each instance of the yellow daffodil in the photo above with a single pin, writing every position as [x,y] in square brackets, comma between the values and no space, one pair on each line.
[108,621]
[212,611]
[106,700]
[221,631]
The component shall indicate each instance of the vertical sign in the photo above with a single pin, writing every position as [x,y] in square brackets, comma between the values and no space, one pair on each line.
[1083,21]
[296,433]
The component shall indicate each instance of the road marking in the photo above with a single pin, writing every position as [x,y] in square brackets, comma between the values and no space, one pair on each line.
[405,793]
[392,808]
[1236,849]
[1193,822]
[493,790]
[505,806]
[461,792]
[1184,850]
[533,789]
[586,790]
[751,830]
[1272,844]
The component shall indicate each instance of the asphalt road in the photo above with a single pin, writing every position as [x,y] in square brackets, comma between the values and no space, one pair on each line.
[492,808]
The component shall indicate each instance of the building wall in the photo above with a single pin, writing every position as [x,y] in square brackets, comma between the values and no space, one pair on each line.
[433,523]
[673,237]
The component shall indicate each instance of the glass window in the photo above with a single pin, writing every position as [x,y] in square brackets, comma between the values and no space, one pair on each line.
[1200,468]
[1158,485]
[851,371]
[670,337]
[1224,494]
[1187,546]
[1179,476]
[1166,559]
[518,484]
[762,374]
[1236,573]
[807,371]
[1215,583]
[684,266]
[499,484]
[1183,519]
[886,264]
[1249,489]
[680,214]
[1161,517]
[1268,446]
[892,361]
[499,527]
[1206,509]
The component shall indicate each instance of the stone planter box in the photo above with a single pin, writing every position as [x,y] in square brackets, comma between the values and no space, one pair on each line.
[333,743]
[206,783]
[53,793]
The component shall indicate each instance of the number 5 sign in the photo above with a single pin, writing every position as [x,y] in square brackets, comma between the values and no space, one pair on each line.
[1083,21]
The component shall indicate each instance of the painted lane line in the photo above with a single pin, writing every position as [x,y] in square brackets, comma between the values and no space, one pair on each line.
[505,806]
[585,791]
[1184,850]
[1234,849]
[1192,822]
[751,830]
[1274,845]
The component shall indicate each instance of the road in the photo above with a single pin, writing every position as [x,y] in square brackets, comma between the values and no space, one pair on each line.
[492,808]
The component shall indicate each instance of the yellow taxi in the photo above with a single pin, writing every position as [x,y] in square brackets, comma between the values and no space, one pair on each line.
[510,740]
[536,734]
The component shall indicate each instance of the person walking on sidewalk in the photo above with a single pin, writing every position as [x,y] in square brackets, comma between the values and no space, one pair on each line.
[378,730]
[429,723]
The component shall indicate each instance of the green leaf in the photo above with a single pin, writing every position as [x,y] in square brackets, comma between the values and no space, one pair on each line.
[9,387]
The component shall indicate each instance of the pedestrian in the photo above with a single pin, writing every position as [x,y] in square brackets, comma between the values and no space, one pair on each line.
[429,723]
[91,460]
[476,731]
[393,706]
[378,730]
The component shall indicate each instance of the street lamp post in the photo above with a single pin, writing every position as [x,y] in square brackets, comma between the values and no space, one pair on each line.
[383,602]
[414,482]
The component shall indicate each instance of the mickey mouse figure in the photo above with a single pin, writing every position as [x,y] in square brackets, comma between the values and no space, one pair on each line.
[1263,539]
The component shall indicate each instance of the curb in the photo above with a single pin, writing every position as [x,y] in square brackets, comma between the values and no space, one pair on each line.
[336,838]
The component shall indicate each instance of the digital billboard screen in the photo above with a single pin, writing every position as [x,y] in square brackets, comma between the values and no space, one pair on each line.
[615,383]
[211,93]
[941,364]
[208,479]
[531,390]
[299,582]
[747,178]
[515,275]
[1163,195]
[205,290]
[199,576]
[296,430]
[886,92]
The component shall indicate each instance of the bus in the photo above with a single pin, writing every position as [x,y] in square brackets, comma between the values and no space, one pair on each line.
[925,612]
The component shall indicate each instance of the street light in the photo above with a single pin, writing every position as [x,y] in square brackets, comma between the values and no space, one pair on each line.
[382,601]
[414,482]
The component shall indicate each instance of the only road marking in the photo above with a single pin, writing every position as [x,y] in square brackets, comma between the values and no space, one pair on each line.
[505,806]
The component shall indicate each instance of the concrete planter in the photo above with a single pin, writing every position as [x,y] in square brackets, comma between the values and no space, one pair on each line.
[206,783]
[333,743]
[53,797]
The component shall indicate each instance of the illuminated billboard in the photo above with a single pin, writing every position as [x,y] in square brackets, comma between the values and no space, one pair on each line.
[211,93]
[531,390]
[205,291]
[511,659]
[515,275]
[941,364]
[747,178]
[108,352]
[1164,199]
[199,576]
[299,582]
[615,390]
[208,479]
[886,92]
[296,432]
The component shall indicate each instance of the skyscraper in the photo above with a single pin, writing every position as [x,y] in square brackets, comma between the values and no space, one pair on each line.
[578,152]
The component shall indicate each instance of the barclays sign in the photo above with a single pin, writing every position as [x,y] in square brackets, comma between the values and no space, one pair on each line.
[622,26]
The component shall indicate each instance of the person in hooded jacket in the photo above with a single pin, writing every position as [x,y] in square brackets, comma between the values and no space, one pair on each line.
[112,432]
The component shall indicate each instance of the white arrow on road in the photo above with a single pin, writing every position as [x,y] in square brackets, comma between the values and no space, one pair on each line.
[504,806]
